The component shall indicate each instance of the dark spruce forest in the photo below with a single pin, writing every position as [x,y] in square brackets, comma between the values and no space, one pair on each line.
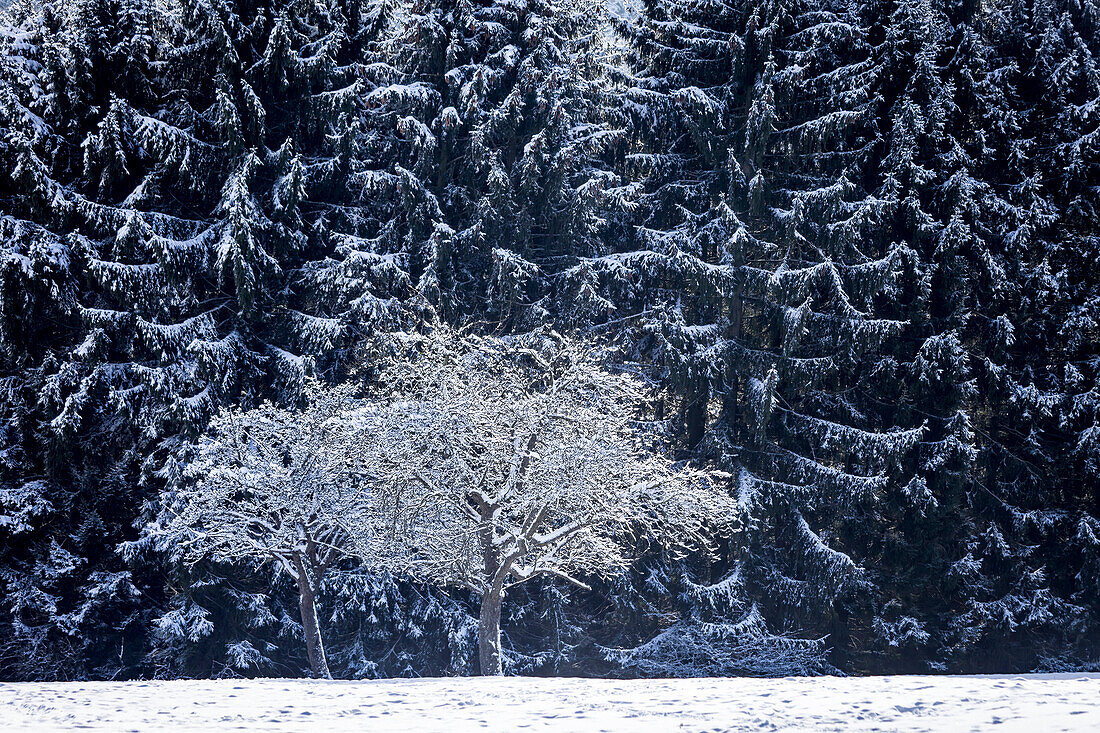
[853,248]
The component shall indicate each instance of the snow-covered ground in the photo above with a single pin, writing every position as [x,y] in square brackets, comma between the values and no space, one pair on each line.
[1031,703]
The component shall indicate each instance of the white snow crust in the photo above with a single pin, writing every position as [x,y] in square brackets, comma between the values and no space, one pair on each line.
[1031,703]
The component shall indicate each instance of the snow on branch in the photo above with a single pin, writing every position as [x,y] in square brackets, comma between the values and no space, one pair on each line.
[268,484]
[494,461]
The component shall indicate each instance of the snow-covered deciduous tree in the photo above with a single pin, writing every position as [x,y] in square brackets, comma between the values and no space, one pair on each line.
[495,461]
[270,484]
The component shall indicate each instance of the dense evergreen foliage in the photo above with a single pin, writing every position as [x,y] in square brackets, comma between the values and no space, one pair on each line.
[854,247]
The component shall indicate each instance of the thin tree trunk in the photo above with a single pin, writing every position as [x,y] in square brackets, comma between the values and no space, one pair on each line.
[311,626]
[695,416]
[729,403]
[488,633]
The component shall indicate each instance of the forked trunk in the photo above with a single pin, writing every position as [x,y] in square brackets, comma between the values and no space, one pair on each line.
[488,633]
[311,626]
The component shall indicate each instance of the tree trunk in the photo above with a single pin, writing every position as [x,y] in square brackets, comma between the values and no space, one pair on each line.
[488,633]
[311,626]
[731,393]
[695,416]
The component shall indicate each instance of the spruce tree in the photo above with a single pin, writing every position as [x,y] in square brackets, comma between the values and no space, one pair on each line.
[495,134]
[763,300]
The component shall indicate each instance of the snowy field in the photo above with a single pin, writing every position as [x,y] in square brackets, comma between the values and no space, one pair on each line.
[1032,703]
